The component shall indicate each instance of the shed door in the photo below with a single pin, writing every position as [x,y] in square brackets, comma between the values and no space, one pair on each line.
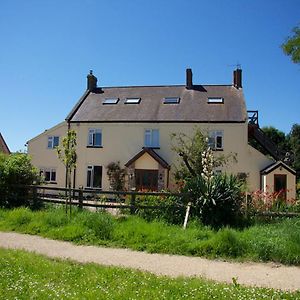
[280,185]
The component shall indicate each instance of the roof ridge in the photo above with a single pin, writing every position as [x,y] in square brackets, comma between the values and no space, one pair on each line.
[155,86]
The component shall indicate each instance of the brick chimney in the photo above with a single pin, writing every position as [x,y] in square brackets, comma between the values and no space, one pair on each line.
[91,81]
[189,79]
[237,78]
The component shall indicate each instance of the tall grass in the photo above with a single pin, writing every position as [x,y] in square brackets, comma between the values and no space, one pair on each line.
[278,241]
[29,276]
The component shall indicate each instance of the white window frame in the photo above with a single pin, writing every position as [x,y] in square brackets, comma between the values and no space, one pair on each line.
[51,141]
[213,139]
[90,169]
[215,100]
[92,137]
[133,100]
[171,100]
[52,172]
[149,134]
[110,101]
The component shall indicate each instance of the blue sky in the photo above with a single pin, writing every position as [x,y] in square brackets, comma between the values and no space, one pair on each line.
[48,47]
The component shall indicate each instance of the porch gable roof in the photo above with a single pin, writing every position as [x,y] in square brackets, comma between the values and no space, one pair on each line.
[153,154]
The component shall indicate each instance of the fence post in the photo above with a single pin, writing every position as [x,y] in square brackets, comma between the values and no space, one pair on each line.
[80,198]
[34,195]
[187,213]
[132,204]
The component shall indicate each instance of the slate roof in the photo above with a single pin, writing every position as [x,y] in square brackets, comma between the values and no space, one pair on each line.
[277,165]
[193,106]
[3,146]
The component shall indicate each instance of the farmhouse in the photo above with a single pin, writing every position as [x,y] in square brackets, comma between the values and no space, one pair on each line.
[133,125]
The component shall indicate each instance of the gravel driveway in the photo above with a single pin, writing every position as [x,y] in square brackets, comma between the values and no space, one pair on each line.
[251,274]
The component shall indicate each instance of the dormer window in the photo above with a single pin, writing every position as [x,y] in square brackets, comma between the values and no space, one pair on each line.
[108,101]
[132,100]
[216,100]
[171,100]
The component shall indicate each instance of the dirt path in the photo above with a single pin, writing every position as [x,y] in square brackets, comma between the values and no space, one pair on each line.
[251,274]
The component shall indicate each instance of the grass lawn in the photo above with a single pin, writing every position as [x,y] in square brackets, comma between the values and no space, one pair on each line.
[278,241]
[30,276]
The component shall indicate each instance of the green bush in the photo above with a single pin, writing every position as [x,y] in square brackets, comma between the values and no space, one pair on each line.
[172,208]
[16,170]
[218,202]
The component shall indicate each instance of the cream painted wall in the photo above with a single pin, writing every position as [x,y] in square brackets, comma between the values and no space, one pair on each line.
[291,182]
[42,157]
[122,141]
[146,162]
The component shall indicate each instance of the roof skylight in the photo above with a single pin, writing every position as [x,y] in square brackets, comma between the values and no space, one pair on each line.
[215,100]
[132,100]
[171,100]
[110,101]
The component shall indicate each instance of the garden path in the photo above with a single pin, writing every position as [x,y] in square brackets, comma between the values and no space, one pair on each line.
[270,275]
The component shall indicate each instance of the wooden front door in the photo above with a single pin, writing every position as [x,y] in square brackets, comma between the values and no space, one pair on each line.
[280,185]
[146,179]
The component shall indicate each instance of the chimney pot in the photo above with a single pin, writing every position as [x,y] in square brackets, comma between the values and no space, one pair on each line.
[91,81]
[189,79]
[237,78]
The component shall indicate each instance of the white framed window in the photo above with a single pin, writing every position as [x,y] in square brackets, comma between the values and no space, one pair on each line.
[108,101]
[95,137]
[217,100]
[53,141]
[171,100]
[151,138]
[94,177]
[216,139]
[132,100]
[49,174]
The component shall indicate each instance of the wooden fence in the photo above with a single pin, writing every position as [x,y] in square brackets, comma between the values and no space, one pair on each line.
[96,198]
[121,199]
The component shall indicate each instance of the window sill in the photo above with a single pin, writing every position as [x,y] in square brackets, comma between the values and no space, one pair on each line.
[50,182]
[94,146]
[93,189]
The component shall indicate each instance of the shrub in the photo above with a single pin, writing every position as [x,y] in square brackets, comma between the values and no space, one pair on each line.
[172,208]
[15,170]
[216,202]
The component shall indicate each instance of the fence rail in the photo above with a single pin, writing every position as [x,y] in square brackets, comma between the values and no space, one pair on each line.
[92,198]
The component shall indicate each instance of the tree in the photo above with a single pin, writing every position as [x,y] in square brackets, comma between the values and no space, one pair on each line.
[291,47]
[67,155]
[190,149]
[214,198]
[16,171]
[294,140]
